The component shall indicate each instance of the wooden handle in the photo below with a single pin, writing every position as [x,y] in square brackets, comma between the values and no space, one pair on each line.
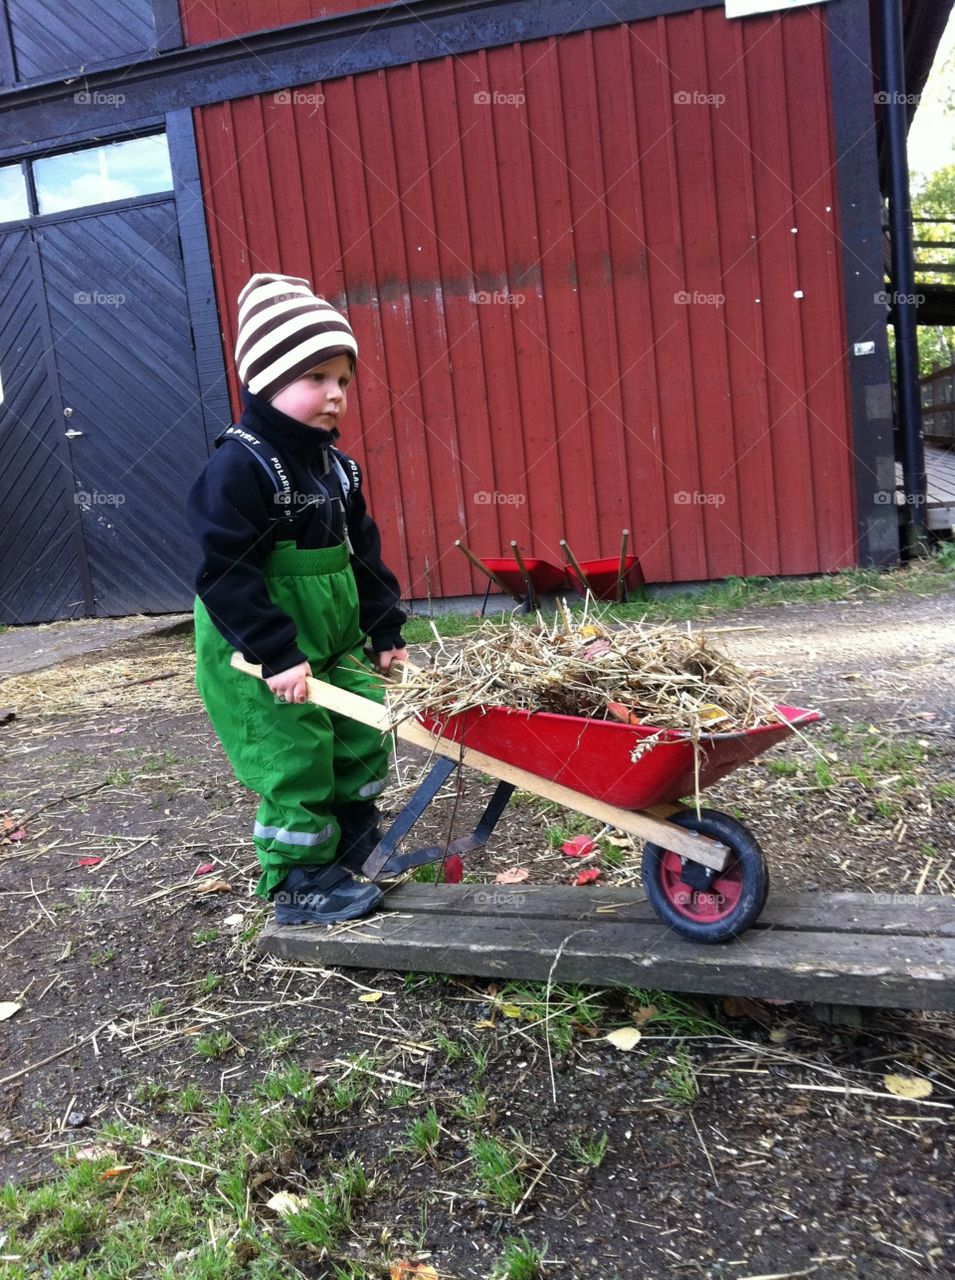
[488,573]
[622,567]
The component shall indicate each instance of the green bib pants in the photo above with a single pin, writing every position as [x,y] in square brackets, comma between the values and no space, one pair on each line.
[302,760]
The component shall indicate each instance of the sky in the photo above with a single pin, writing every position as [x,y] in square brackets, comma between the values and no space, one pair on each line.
[932,135]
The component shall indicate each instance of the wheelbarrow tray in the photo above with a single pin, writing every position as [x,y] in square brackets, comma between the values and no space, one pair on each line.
[594,757]
[544,576]
[602,576]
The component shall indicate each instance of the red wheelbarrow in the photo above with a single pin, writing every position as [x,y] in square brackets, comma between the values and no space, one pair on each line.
[704,873]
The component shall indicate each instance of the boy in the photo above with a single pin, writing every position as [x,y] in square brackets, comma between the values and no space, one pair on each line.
[292,576]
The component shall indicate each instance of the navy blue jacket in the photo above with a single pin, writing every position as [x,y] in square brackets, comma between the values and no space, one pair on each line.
[232,510]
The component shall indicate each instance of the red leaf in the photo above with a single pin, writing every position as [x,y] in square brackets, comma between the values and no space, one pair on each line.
[89,862]
[19,834]
[588,876]
[579,847]
[453,869]
[204,869]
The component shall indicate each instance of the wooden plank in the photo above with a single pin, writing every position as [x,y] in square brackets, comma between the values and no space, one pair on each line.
[929,915]
[888,972]
[690,844]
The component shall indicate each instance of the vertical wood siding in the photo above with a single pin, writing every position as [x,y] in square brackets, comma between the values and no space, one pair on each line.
[516,273]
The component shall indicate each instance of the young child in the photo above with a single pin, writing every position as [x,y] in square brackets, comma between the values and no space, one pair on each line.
[292,576]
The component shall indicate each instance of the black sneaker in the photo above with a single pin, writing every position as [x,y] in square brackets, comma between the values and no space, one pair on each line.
[323,895]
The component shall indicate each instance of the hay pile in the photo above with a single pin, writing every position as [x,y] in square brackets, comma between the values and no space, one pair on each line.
[655,675]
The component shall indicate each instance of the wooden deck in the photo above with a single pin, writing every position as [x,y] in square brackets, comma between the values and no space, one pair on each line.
[888,951]
[940,486]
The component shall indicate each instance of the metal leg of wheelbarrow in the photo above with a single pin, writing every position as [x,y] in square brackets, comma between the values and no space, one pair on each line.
[386,861]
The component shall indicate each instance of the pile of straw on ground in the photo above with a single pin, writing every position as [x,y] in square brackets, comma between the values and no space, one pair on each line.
[654,675]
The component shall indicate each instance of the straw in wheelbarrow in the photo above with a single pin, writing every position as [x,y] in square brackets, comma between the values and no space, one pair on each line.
[650,674]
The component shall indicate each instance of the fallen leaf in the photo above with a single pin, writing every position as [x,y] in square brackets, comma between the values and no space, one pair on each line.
[89,862]
[588,876]
[204,869]
[624,1038]
[116,1171]
[284,1202]
[908,1086]
[621,842]
[121,728]
[19,834]
[578,847]
[238,918]
[644,1014]
[743,1007]
[412,1271]
[8,1008]
[511,1010]
[214,886]
[95,1152]
[779,1035]
[513,875]
[370,997]
[485,1022]
[453,870]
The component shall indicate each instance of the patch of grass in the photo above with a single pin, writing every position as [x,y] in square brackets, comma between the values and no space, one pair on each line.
[103,957]
[783,768]
[672,1013]
[679,1084]
[158,1008]
[943,791]
[424,1132]
[191,1100]
[498,1170]
[567,1009]
[211,982]
[450,1048]
[205,935]
[472,1106]
[118,777]
[275,1041]
[519,1260]
[150,1092]
[426,874]
[328,1213]
[590,1152]
[401,1095]
[215,1045]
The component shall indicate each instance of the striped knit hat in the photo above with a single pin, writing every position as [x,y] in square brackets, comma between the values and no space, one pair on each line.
[285,330]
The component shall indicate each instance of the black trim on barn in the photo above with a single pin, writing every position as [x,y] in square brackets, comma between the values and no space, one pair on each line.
[197,265]
[305,52]
[870,386]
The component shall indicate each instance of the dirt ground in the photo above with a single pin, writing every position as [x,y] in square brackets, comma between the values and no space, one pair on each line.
[783,1156]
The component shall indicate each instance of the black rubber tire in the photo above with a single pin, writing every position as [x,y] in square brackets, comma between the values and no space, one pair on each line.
[753,870]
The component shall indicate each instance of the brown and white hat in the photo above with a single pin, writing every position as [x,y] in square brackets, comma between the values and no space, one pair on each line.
[285,330]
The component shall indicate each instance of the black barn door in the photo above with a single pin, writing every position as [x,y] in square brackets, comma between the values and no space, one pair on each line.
[42,563]
[129,390]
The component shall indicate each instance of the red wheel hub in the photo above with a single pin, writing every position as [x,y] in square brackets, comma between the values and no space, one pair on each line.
[707,905]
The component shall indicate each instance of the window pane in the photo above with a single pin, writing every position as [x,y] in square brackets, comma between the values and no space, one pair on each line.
[13,194]
[118,171]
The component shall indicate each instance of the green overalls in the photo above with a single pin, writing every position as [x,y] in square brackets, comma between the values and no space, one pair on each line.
[302,760]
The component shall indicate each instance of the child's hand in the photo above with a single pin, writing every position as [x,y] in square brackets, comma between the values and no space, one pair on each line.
[290,685]
[384,659]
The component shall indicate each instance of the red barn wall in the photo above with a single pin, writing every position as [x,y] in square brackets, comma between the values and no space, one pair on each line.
[516,274]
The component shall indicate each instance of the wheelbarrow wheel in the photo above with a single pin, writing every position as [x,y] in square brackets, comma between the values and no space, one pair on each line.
[708,907]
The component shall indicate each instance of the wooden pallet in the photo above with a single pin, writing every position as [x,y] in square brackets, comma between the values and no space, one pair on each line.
[884,950]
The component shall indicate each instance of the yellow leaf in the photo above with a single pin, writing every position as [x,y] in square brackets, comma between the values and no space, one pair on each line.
[624,1038]
[284,1202]
[779,1035]
[710,713]
[214,886]
[371,997]
[8,1008]
[511,1010]
[908,1086]
[484,1023]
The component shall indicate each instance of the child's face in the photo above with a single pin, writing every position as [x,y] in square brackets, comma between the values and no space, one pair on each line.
[319,397]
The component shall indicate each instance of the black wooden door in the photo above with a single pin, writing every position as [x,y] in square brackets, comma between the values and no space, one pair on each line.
[129,391]
[42,560]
